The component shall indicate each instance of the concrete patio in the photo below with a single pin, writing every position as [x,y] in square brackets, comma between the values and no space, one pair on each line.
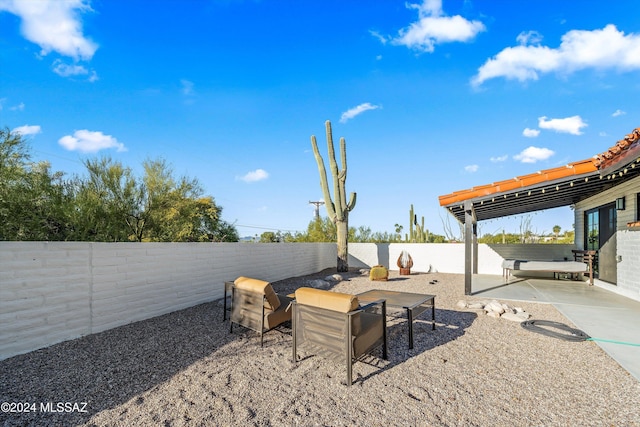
[601,314]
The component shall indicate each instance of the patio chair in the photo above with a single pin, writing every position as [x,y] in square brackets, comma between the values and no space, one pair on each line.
[334,325]
[256,306]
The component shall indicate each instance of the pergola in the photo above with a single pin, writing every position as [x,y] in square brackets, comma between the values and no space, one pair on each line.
[545,189]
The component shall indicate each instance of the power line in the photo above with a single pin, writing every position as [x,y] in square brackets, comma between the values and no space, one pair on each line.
[265,228]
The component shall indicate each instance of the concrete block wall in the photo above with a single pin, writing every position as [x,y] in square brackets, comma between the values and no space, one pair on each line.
[434,257]
[56,291]
[535,252]
[449,257]
[44,294]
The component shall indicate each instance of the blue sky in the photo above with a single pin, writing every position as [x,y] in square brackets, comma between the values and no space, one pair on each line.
[432,97]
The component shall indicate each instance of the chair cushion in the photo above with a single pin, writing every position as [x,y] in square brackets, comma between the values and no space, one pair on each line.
[334,301]
[279,316]
[259,286]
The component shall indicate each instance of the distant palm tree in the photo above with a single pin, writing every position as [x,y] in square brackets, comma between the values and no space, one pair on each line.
[556,231]
[399,231]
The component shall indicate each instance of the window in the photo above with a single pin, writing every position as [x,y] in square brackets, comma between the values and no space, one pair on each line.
[592,227]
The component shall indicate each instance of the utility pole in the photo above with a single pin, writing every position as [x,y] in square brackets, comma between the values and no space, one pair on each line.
[317,204]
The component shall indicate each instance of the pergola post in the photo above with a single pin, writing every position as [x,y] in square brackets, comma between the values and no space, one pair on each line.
[470,246]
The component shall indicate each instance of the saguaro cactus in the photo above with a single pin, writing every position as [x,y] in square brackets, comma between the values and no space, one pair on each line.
[338,209]
[420,235]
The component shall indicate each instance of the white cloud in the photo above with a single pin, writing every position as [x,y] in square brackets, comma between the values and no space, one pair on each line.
[533,154]
[69,70]
[618,113]
[66,70]
[27,130]
[256,175]
[19,107]
[54,25]
[187,87]
[471,168]
[351,113]
[93,77]
[530,133]
[433,27]
[499,158]
[571,125]
[605,48]
[379,36]
[87,141]
[529,37]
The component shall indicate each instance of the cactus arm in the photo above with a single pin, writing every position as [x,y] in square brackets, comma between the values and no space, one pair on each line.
[343,156]
[343,174]
[323,180]
[333,167]
[352,202]
[425,233]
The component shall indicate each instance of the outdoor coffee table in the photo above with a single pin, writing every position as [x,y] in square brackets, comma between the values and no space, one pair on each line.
[415,304]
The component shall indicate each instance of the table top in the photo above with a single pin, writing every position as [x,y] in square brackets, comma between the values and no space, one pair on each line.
[396,298]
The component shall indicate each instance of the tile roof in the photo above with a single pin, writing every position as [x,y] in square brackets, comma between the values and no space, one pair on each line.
[571,183]
[523,181]
[627,147]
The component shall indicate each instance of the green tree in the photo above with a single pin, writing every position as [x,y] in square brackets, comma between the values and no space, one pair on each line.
[113,205]
[176,210]
[569,237]
[32,198]
[224,232]
[269,237]
[322,230]
[107,203]
[502,238]
[437,238]
[362,234]
[556,231]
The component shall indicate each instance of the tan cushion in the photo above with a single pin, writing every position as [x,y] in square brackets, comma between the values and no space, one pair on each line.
[279,316]
[259,286]
[335,301]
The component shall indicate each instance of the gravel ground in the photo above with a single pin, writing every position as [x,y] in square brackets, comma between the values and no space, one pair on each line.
[185,368]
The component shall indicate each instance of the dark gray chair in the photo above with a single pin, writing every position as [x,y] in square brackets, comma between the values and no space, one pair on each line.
[334,325]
